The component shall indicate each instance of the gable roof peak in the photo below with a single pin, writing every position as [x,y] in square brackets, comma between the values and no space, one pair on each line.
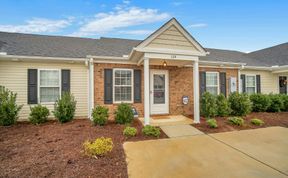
[165,26]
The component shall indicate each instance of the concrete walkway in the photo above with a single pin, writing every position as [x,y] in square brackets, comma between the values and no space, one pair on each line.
[173,131]
[251,153]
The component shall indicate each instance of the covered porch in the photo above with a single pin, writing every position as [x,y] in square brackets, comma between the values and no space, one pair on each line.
[171,85]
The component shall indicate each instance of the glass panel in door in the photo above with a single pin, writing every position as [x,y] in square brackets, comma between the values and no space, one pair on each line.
[159,88]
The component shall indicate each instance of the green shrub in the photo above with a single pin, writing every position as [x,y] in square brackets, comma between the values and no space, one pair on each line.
[130,131]
[212,123]
[276,103]
[64,108]
[240,104]
[223,108]
[124,114]
[208,105]
[236,121]
[260,102]
[257,122]
[9,110]
[285,102]
[100,115]
[99,147]
[39,114]
[151,131]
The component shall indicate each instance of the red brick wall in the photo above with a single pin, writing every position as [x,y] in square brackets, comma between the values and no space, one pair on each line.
[180,84]
[229,73]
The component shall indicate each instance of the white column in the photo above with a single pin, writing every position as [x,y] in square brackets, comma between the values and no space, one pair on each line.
[146,92]
[91,88]
[196,92]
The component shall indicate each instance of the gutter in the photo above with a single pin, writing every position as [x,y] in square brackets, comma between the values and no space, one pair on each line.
[41,58]
[221,63]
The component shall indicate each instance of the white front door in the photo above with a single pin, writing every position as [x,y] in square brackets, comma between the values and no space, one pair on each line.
[159,92]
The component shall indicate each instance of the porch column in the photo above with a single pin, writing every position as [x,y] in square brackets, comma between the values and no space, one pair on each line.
[146,92]
[196,92]
[91,87]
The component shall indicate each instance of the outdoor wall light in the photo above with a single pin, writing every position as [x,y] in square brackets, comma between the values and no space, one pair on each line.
[164,64]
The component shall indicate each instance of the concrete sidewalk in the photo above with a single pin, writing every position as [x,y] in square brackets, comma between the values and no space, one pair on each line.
[205,156]
[173,131]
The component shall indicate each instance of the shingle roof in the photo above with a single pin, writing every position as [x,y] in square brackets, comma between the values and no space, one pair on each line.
[221,55]
[275,55]
[60,46]
[75,47]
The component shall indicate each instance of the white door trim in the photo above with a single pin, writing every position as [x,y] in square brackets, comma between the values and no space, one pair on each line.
[159,108]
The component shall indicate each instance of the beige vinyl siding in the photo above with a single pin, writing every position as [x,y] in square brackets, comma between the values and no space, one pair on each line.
[269,81]
[13,75]
[172,38]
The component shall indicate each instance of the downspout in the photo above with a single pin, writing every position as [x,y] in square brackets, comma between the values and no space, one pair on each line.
[239,79]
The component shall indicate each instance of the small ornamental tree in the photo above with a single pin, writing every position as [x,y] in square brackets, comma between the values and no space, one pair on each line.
[276,103]
[64,108]
[39,114]
[100,115]
[124,114]
[9,110]
[285,102]
[240,104]
[208,105]
[223,108]
[260,102]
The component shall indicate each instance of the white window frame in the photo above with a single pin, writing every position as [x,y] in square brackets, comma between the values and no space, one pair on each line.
[250,75]
[38,87]
[218,82]
[132,86]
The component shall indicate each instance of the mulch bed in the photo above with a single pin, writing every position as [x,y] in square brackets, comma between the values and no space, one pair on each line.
[55,150]
[270,119]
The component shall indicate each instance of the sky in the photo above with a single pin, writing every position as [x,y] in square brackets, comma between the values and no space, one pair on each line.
[243,25]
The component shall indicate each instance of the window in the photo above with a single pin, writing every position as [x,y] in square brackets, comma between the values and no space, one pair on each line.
[212,82]
[49,85]
[250,84]
[123,85]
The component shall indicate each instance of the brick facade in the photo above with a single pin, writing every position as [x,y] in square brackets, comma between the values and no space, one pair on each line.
[180,84]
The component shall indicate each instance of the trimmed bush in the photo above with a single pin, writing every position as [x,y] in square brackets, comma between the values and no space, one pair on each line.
[9,110]
[240,104]
[64,108]
[285,102]
[130,131]
[208,105]
[39,114]
[223,108]
[99,147]
[151,131]
[124,114]
[236,121]
[100,115]
[212,123]
[257,122]
[276,103]
[260,102]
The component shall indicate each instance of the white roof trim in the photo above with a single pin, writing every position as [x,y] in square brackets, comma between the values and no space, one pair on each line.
[108,57]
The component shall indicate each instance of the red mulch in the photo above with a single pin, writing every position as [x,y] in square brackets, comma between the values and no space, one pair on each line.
[55,150]
[270,119]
